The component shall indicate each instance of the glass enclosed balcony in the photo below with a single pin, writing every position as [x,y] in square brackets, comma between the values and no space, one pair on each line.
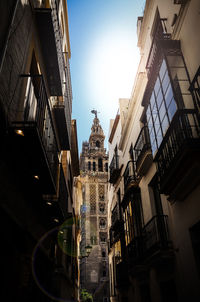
[142,151]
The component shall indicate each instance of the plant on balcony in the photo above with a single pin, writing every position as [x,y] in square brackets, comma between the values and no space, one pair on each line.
[85,296]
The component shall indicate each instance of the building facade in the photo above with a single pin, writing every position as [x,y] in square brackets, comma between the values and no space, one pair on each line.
[39,155]
[94,228]
[154,163]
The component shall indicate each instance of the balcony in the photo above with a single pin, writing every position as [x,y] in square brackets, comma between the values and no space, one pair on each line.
[178,156]
[116,233]
[159,37]
[195,88]
[114,169]
[142,152]
[115,217]
[156,241]
[47,22]
[130,177]
[32,136]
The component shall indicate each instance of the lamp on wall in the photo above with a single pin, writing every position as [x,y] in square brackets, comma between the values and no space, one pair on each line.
[87,251]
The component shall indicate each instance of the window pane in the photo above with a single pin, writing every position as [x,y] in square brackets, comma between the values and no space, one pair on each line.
[153,146]
[163,69]
[162,111]
[150,124]
[168,95]
[148,113]
[152,136]
[157,86]
[152,100]
[165,82]
[159,137]
[172,109]
[159,98]
[156,124]
[165,124]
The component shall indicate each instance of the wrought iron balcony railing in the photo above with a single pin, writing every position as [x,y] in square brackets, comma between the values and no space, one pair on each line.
[114,169]
[184,129]
[160,33]
[142,151]
[130,175]
[116,234]
[115,216]
[195,88]
[156,235]
[114,164]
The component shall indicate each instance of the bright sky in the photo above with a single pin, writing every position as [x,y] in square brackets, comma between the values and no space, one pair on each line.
[104,58]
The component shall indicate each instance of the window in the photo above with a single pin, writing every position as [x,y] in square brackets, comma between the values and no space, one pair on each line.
[100,165]
[133,216]
[102,237]
[102,208]
[97,144]
[89,166]
[102,223]
[94,166]
[104,273]
[118,253]
[161,108]
[93,240]
[128,223]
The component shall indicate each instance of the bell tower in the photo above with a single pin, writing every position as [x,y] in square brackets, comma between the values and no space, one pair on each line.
[97,137]
[94,228]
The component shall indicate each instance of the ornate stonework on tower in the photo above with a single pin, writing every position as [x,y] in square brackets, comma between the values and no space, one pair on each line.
[94,232]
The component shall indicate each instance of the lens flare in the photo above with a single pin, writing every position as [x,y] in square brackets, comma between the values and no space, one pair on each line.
[39,269]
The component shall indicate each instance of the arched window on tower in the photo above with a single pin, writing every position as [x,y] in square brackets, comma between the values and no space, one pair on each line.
[89,165]
[100,165]
[102,208]
[98,144]
[102,223]
[94,166]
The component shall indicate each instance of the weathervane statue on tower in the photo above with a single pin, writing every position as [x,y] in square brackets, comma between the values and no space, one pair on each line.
[94,112]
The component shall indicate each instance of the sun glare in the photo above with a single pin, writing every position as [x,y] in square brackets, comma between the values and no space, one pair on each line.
[112,68]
